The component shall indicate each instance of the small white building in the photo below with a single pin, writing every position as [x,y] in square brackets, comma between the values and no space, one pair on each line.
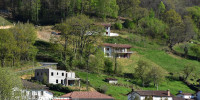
[57,77]
[185,95]
[107,27]
[155,95]
[120,50]
[111,80]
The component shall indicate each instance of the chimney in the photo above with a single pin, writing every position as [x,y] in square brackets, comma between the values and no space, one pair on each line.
[168,92]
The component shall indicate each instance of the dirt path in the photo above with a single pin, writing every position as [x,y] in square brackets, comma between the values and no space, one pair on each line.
[6,27]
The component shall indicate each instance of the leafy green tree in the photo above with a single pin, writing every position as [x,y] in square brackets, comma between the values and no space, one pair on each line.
[7,46]
[157,74]
[173,18]
[161,9]
[188,70]
[9,82]
[108,66]
[36,5]
[129,24]
[118,25]
[152,27]
[142,71]
[106,8]
[25,36]
[196,50]
[126,6]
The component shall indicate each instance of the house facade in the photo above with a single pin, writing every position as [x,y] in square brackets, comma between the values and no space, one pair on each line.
[155,95]
[120,50]
[57,77]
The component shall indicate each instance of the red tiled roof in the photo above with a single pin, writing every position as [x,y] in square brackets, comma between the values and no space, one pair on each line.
[153,93]
[87,95]
[117,45]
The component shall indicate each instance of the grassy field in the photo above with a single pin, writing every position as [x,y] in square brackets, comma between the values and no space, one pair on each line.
[4,22]
[119,92]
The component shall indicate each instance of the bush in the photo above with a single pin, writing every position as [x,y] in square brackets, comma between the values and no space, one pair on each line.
[108,66]
[118,25]
[129,24]
[59,87]
[102,89]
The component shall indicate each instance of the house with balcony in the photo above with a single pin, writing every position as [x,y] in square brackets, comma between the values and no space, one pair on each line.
[57,77]
[118,50]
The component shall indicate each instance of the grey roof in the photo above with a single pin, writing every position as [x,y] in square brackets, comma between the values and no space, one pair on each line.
[33,86]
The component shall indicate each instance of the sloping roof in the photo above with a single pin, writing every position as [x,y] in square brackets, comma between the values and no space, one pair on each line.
[117,45]
[34,86]
[87,95]
[184,93]
[114,79]
[153,93]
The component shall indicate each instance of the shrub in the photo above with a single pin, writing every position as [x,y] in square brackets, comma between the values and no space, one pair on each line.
[59,87]
[103,89]
[129,24]
[108,66]
[118,25]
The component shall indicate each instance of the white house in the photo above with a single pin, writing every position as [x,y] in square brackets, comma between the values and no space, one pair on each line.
[108,29]
[185,95]
[57,76]
[120,50]
[33,91]
[156,95]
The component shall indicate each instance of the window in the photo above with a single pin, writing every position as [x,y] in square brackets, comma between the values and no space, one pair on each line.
[106,33]
[56,81]
[57,73]
[41,73]
[37,73]
[62,74]
[107,49]
[51,73]
[61,81]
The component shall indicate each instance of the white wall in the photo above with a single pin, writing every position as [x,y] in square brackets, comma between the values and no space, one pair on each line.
[57,75]
[112,82]
[185,96]
[70,74]
[107,30]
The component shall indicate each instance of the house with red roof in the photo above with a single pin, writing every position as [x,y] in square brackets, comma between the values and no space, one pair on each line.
[85,95]
[119,50]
